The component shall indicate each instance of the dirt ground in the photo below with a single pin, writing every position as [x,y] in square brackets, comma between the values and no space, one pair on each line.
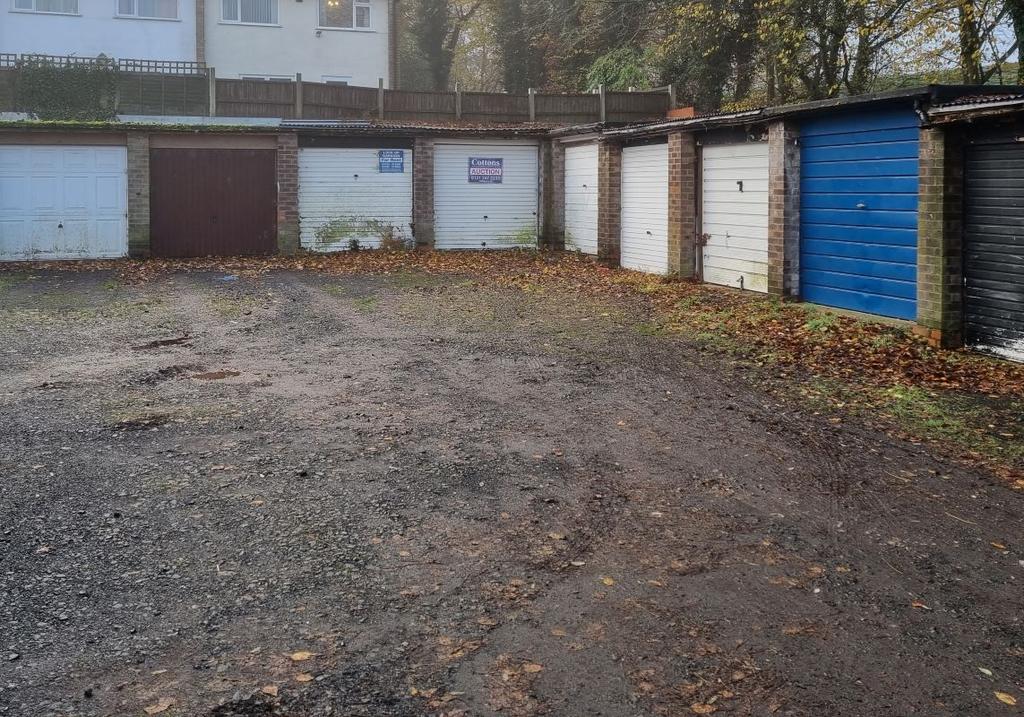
[300,494]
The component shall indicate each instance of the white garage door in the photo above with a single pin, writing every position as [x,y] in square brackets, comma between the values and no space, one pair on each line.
[734,215]
[581,197]
[63,202]
[354,195]
[644,244]
[485,195]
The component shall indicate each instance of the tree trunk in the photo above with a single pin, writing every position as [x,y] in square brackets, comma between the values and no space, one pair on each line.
[1015,9]
[970,43]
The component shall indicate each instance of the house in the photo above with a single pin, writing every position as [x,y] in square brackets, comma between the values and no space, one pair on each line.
[330,41]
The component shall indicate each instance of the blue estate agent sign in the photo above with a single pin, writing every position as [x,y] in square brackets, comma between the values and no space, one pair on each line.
[391,161]
[483,170]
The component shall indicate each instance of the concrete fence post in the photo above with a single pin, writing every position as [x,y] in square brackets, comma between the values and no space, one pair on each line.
[298,95]
[211,77]
[532,96]
[380,98]
[603,102]
[458,103]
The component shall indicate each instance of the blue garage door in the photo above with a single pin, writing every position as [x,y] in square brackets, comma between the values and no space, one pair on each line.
[858,212]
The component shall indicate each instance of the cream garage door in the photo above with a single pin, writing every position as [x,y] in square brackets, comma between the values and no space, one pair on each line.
[581,197]
[644,229]
[63,202]
[349,196]
[734,215]
[485,195]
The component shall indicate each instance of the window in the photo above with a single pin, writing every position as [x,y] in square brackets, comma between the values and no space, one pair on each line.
[345,14]
[250,12]
[63,7]
[161,9]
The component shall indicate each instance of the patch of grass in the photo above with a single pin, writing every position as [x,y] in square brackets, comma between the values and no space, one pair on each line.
[335,289]
[9,281]
[367,303]
[231,307]
[821,322]
[111,284]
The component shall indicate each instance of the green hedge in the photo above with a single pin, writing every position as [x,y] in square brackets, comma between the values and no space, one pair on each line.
[74,92]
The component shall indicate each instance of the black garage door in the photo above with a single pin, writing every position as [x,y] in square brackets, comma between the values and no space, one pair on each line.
[994,245]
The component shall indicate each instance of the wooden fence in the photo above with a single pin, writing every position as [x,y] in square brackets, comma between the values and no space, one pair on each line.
[189,89]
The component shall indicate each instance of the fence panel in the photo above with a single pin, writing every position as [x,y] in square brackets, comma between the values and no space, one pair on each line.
[568,109]
[425,106]
[8,78]
[337,101]
[148,94]
[255,98]
[488,107]
[635,106]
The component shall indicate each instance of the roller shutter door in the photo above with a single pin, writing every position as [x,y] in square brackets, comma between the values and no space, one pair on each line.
[858,212]
[644,192]
[581,197]
[354,195]
[485,194]
[734,215]
[63,202]
[994,247]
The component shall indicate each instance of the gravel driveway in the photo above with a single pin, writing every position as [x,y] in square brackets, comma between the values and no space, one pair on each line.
[299,494]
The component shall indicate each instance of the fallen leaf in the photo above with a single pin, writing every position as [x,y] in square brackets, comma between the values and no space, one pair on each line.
[919,604]
[699,708]
[998,546]
[558,632]
[577,563]
[532,667]
[165,702]
[301,656]
[608,581]
[1006,698]
[269,690]
[486,621]
[556,536]
[985,671]
[303,677]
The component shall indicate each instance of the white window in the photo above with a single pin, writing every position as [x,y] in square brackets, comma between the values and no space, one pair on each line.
[249,12]
[346,14]
[62,7]
[160,9]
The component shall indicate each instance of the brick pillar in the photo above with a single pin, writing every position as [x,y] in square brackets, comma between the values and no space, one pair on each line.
[783,209]
[553,193]
[138,195]
[423,193]
[939,239]
[287,193]
[682,203]
[609,202]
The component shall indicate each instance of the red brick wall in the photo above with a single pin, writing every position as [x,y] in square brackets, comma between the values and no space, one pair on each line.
[287,193]
[682,203]
[783,210]
[553,193]
[138,195]
[939,238]
[609,202]
[423,192]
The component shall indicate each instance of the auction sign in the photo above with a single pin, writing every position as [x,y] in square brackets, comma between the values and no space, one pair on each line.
[485,170]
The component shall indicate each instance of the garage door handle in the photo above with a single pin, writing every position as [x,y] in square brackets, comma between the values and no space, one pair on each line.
[213,219]
[60,225]
[861,205]
[486,217]
[649,234]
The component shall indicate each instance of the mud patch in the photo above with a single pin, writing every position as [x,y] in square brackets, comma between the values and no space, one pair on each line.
[161,343]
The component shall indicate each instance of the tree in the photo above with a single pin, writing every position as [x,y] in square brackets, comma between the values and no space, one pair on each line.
[436,27]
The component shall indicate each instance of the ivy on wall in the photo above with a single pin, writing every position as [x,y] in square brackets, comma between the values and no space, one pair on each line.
[83,92]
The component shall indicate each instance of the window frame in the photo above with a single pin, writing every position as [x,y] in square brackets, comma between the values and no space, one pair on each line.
[136,16]
[356,4]
[34,11]
[240,21]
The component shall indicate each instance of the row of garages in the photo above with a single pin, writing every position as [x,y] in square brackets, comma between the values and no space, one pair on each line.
[853,206]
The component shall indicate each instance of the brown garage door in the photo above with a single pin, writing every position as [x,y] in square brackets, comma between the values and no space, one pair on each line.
[213,202]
